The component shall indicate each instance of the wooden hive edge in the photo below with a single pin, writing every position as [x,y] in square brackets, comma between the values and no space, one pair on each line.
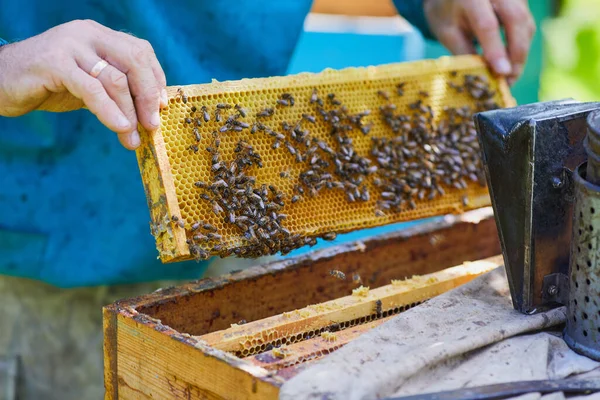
[159,187]
[133,371]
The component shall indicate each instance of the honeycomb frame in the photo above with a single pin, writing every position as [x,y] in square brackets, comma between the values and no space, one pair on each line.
[169,167]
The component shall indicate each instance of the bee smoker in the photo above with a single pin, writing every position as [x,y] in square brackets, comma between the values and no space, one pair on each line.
[542,164]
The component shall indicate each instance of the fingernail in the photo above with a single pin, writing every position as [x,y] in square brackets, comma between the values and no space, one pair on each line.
[155,119]
[123,122]
[134,139]
[163,98]
[502,66]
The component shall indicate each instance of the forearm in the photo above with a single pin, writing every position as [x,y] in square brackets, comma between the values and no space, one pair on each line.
[14,102]
[412,11]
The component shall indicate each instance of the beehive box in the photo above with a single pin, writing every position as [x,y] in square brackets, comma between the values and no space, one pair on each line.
[258,166]
[241,336]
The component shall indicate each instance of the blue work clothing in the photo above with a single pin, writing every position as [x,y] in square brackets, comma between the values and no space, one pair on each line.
[72,207]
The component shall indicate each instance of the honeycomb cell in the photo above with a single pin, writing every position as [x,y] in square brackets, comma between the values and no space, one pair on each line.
[443,165]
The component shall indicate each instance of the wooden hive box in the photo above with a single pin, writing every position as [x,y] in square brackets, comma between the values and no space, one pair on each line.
[179,342]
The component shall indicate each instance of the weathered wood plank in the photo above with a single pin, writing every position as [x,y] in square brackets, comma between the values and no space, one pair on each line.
[154,365]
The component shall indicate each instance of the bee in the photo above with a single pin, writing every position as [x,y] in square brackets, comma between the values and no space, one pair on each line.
[400,88]
[384,94]
[197,134]
[283,102]
[188,120]
[242,322]
[199,237]
[309,118]
[284,174]
[356,279]
[209,227]
[240,110]
[290,148]
[222,106]
[217,142]
[183,96]
[201,254]
[267,112]
[193,148]
[378,307]
[423,93]
[289,98]
[365,129]
[195,226]
[200,185]
[275,144]
[337,274]
[465,201]
[314,97]
[217,209]
[205,114]
[295,198]
[329,236]
[218,116]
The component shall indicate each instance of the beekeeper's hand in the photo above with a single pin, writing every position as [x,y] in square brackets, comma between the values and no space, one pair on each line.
[456,23]
[82,63]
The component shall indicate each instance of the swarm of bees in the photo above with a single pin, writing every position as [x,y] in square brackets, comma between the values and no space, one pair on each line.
[417,163]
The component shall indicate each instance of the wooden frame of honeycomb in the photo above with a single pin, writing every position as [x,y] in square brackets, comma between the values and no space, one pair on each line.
[174,161]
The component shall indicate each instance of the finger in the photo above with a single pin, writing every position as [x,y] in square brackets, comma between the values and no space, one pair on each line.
[519,27]
[162,81]
[455,40]
[132,57]
[115,83]
[97,100]
[486,28]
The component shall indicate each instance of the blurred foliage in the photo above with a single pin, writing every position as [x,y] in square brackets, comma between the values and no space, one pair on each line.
[572,52]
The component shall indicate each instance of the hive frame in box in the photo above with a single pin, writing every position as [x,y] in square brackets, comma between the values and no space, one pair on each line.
[157,345]
[169,166]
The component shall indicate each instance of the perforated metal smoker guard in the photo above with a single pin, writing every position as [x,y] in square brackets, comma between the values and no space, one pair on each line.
[529,153]
[582,332]
[169,169]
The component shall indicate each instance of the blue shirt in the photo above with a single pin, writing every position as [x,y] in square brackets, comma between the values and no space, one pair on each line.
[72,206]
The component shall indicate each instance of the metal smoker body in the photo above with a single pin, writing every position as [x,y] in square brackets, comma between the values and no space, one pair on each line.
[546,209]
